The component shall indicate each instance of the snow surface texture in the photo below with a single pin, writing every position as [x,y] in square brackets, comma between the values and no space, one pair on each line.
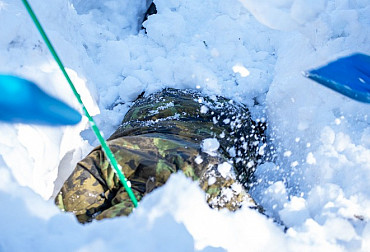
[252,51]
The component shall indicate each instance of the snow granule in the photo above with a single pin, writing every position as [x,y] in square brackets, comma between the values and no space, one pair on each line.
[203,109]
[210,146]
[211,180]
[224,169]
[198,160]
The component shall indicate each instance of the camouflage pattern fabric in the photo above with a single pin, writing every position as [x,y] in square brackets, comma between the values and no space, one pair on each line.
[162,134]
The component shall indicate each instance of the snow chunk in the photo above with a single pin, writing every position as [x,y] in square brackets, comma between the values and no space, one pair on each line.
[203,109]
[327,135]
[285,14]
[242,70]
[310,159]
[294,164]
[342,141]
[287,154]
[339,229]
[131,88]
[295,212]
[198,160]
[232,152]
[224,169]
[237,188]
[261,150]
[211,180]
[210,146]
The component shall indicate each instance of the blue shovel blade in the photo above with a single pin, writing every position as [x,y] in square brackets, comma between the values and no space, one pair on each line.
[349,76]
[22,101]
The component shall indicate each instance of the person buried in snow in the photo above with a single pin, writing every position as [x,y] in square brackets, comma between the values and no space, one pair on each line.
[210,139]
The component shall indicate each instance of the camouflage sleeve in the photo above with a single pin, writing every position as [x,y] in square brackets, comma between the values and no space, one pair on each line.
[94,192]
[84,192]
[93,188]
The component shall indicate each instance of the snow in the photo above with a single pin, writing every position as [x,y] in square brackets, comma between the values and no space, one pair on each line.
[252,51]
[225,169]
[210,146]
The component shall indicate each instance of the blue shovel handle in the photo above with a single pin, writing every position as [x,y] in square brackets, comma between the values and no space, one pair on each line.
[22,101]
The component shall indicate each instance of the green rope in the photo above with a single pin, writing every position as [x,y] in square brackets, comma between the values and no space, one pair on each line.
[103,143]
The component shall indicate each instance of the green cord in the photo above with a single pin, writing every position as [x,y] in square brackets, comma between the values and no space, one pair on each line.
[95,128]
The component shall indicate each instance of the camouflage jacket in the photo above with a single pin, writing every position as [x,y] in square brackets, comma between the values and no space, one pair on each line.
[161,134]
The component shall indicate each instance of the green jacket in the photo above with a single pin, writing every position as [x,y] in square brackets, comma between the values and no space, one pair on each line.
[161,134]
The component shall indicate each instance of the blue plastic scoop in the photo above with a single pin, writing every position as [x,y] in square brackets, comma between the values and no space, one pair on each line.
[349,76]
[22,101]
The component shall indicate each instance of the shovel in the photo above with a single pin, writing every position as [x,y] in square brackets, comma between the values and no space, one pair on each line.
[22,101]
[349,76]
